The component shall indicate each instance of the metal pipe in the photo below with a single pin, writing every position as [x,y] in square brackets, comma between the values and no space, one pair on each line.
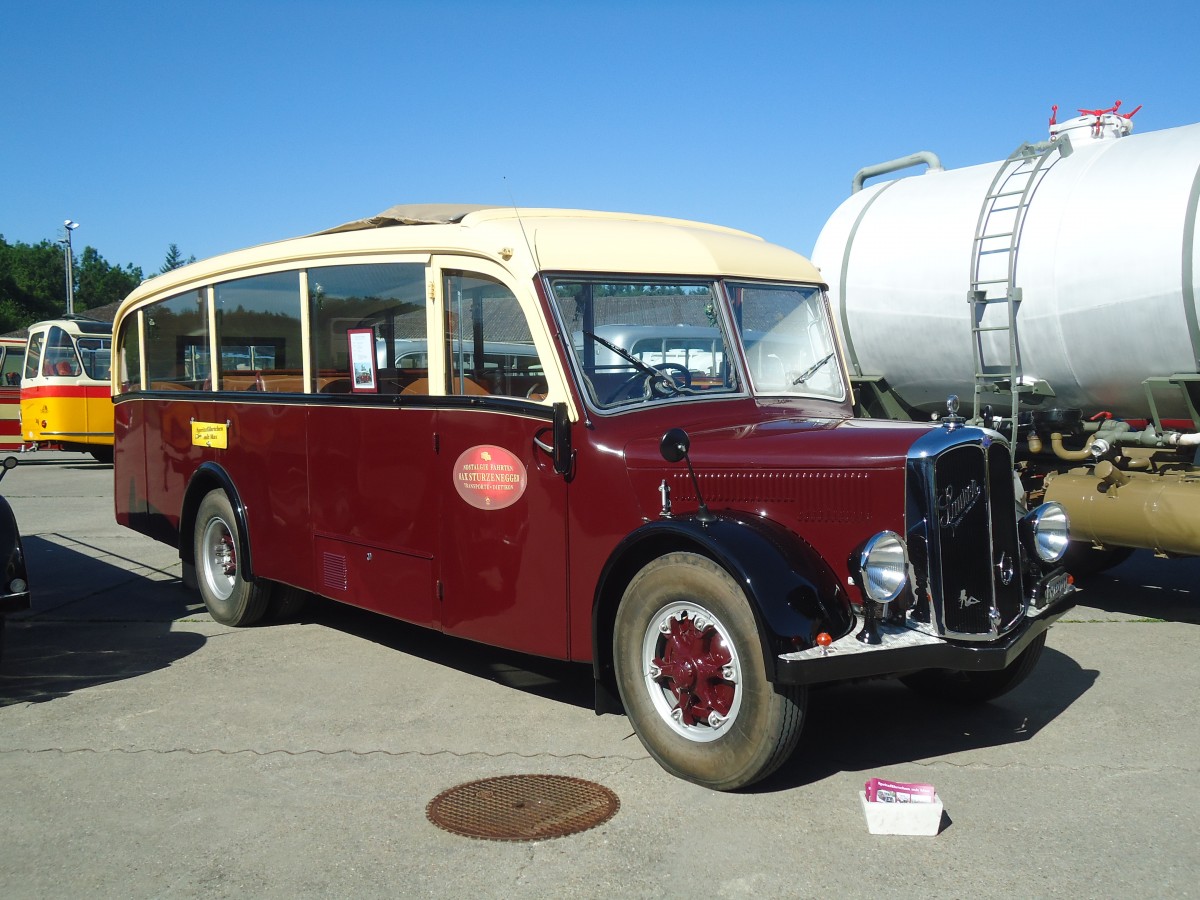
[1056,444]
[926,157]
[1151,438]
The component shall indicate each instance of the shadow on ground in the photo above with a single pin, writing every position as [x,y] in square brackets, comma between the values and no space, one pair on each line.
[1145,586]
[93,621]
[850,727]
[875,724]
[562,682]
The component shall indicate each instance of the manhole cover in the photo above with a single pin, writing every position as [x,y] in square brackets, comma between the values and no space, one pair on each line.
[522,807]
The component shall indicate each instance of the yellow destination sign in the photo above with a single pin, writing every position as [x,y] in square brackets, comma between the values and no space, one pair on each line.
[210,434]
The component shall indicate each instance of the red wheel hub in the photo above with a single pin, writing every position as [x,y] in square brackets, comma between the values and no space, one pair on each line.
[227,554]
[692,667]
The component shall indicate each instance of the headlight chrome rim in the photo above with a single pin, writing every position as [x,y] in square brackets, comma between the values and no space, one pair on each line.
[1049,531]
[883,567]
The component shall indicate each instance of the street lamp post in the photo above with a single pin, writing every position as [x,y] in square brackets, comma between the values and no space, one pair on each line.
[68,227]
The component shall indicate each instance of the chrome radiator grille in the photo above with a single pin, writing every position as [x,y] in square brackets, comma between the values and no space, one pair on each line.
[962,515]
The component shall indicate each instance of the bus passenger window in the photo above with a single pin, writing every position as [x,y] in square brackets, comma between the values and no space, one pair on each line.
[489,346]
[388,298]
[259,334]
[176,343]
[128,346]
[33,355]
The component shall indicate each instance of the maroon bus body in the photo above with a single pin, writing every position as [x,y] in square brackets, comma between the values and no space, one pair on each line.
[371,489]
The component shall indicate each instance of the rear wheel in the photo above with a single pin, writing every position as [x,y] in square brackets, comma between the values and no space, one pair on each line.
[690,671]
[286,602]
[230,598]
[977,687]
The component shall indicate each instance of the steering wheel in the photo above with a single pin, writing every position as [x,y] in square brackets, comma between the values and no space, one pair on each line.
[667,380]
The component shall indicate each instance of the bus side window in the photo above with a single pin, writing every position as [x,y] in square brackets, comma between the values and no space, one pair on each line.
[489,346]
[176,342]
[11,367]
[259,333]
[33,355]
[388,298]
[128,351]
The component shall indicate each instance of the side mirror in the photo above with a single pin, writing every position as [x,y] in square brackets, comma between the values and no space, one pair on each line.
[564,454]
[559,449]
[675,445]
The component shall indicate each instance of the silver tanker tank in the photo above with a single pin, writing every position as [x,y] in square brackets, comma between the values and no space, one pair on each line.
[1099,245]
[1066,271]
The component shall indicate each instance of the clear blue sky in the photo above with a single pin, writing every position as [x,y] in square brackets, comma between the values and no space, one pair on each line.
[217,125]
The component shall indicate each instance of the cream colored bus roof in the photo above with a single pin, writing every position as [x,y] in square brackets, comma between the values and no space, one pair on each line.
[523,240]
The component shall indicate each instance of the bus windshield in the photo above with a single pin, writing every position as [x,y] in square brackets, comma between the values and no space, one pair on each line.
[788,339]
[646,340]
[59,354]
[665,340]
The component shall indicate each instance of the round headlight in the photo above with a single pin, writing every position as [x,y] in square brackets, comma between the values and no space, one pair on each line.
[1050,527]
[884,567]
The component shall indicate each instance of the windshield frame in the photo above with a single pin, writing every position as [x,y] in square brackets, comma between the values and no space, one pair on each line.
[735,362]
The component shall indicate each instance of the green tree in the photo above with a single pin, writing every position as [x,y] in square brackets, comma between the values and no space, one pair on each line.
[97,283]
[33,282]
[174,259]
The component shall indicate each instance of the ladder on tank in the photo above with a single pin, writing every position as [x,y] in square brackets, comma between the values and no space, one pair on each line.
[994,269]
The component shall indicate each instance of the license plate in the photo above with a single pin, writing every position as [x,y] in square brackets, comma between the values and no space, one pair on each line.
[1056,588]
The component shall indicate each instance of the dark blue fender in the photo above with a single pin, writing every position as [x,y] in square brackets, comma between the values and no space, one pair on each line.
[792,591]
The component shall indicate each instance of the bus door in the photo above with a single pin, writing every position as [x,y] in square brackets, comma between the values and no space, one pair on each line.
[501,563]
[370,438]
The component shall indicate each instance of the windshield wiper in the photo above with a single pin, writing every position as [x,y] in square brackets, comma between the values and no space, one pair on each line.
[811,370]
[624,354]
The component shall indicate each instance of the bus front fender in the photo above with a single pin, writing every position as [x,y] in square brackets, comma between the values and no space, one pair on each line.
[791,590]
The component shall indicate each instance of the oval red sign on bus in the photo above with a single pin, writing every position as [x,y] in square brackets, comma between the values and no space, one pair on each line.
[489,477]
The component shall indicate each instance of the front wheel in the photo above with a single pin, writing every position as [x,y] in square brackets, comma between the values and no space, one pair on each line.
[976,687]
[690,672]
[230,598]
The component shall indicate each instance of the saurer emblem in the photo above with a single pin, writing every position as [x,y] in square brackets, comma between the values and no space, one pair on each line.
[952,510]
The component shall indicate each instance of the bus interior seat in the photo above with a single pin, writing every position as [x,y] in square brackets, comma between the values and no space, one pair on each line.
[468,386]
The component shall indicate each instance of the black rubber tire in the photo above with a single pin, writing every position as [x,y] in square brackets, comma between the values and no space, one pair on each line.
[286,602]
[102,454]
[1082,559]
[976,687]
[761,733]
[230,598]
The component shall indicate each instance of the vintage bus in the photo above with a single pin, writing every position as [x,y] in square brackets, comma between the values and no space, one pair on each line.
[617,439]
[65,396]
[12,357]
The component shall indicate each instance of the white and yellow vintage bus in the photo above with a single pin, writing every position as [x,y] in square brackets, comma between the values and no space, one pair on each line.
[65,397]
